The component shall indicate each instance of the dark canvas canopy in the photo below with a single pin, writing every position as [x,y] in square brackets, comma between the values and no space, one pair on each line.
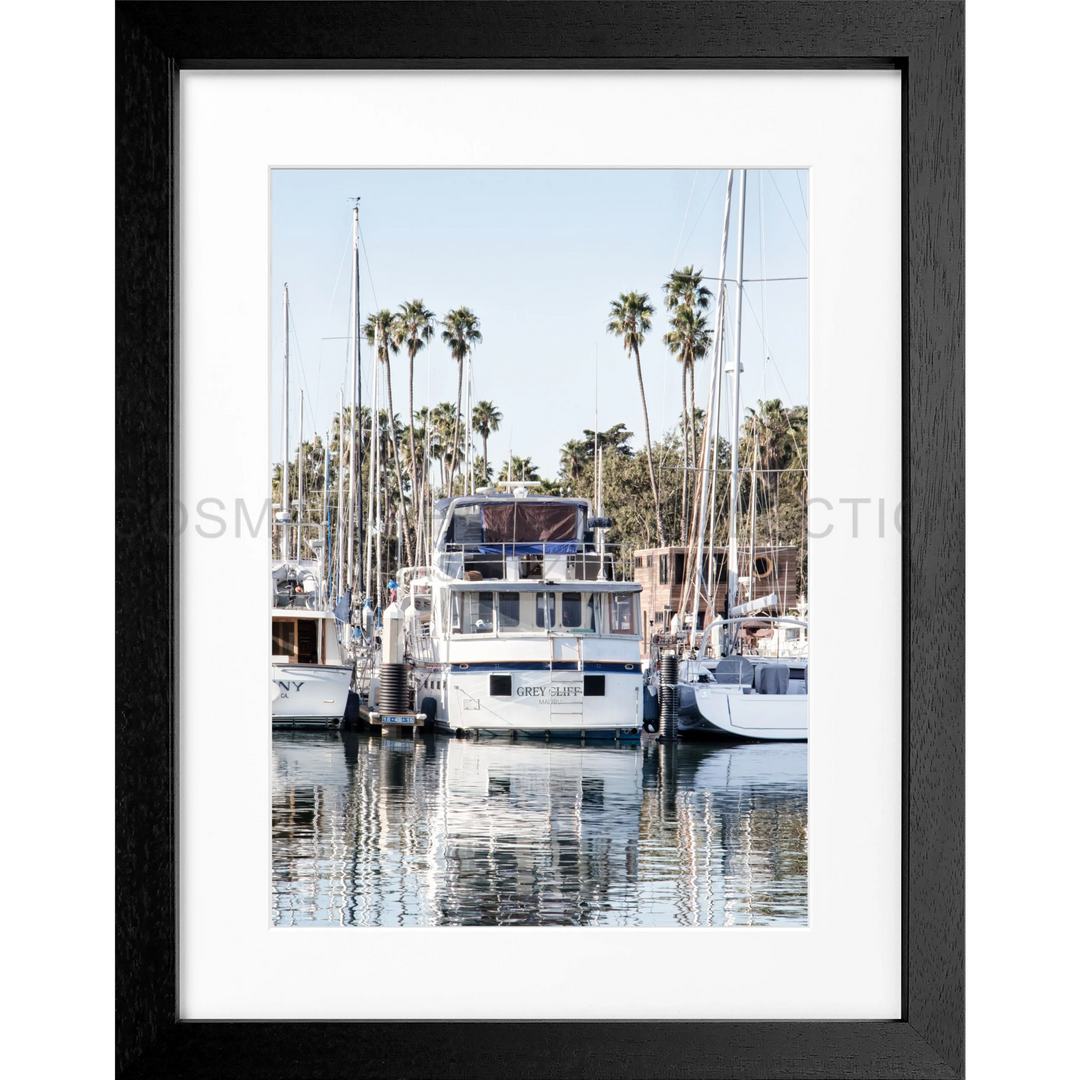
[530,527]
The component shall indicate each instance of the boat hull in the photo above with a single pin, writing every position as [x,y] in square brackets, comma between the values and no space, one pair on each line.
[567,704]
[729,712]
[308,694]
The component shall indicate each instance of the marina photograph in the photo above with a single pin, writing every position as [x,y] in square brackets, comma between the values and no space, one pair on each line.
[539,578]
[530,459]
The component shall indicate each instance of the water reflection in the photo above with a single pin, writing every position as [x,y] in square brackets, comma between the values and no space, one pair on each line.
[371,831]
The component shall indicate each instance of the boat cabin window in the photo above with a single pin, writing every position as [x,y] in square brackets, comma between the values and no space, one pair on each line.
[296,639]
[578,613]
[545,611]
[532,612]
[791,633]
[622,613]
[474,613]
[509,611]
[284,637]
[525,613]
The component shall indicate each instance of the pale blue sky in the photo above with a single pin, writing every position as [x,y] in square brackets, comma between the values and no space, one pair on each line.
[538,255]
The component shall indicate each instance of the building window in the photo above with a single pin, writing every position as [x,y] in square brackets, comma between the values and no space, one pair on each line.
[680,561]
[637,562]
[648,560]
[663,570]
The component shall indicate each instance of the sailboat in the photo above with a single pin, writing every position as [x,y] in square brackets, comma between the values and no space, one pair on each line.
[749,690]
[309,673]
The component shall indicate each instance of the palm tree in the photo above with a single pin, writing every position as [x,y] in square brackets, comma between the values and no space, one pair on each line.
[688,340]
[631,318]
[413,327]
[444,425]
[486,419]
[573,456]
[429,438]
[380,331]
[519,468]
[461,331]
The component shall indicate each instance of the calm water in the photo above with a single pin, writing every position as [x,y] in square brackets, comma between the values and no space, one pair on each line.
[375,831]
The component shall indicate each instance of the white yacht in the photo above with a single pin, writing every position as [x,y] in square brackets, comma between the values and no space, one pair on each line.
[752,695]
[518,626]
[309,672]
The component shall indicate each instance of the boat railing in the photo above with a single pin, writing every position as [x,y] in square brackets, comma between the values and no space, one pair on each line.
[732,671]
[305,601]
[418,646]
[730,629]
[540,561]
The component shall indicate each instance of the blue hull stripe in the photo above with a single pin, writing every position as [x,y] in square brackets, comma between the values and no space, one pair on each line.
[543,665]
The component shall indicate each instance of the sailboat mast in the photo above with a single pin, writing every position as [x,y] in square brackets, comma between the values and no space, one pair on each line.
[376,524]
[714,472]
[708,442]
[598,453]
[300,483]
[753,515]
[285,431]
[339,531]
[733,504]
[357,504]
[324,557]
[373,450]
[470,485]
[354,358]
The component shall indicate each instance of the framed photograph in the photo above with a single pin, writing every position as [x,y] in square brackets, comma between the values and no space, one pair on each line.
[577,377]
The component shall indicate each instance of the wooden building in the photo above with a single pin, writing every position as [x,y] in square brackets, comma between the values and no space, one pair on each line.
[667,583]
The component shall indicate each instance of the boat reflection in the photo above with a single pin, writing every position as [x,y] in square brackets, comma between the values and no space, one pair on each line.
[371,831]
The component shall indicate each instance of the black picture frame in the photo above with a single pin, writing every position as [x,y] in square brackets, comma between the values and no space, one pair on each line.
[924,40]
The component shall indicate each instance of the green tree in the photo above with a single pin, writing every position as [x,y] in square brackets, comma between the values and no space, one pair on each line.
[630,317]
[519,468]
[688,341]
[380,332]
[573,457]
[461,331]
[413,328]
[486,419]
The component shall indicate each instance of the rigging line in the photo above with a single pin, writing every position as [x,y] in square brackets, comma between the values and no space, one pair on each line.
[776,368]
[329,307]
[798,184]
[768,346]
[675,257]
[299,355]
[367,263]
[763,286]
[700,212]
[793,225]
